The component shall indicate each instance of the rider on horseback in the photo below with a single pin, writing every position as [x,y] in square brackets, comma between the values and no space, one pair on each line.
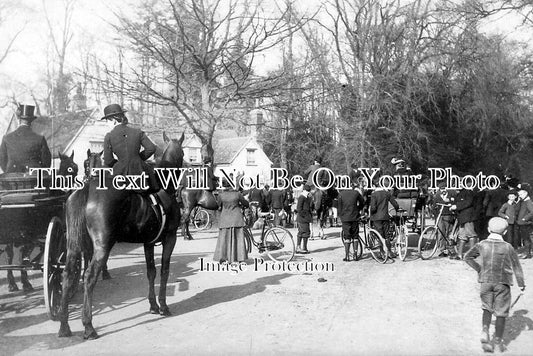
[125,142]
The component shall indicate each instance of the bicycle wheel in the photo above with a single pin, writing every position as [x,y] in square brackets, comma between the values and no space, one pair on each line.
[279,244]
[357,248]
[201,219]
[428,243]
[402,243]
[375,246]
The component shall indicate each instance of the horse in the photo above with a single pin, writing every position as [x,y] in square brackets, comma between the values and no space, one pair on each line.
[98,218]
[94,160]
[67,167]
[190,199]
[323,201]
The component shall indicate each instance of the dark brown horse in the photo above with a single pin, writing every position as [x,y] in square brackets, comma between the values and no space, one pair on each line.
[97,219]
[191,198]
[67,167]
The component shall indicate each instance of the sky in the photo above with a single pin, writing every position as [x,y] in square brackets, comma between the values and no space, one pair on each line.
[26,64]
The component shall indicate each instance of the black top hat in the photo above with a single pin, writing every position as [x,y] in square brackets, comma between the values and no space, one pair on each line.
[112,110]
[25,112]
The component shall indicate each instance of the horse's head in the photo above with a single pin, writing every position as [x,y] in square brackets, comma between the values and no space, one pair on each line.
[94,160]
[173,154]
[67,167]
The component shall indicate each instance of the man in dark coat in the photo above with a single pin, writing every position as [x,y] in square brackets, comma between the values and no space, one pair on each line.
[304,209]
[464,207]
[492,202]
[349,204]
[524,217]
[277,203]
[379,214]
[23,149]
[125,143]
[321,176]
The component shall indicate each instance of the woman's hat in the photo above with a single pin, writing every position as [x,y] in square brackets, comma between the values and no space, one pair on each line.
[112,110]
[26,112]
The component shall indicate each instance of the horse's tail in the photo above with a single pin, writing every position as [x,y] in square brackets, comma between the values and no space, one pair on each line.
[75,219]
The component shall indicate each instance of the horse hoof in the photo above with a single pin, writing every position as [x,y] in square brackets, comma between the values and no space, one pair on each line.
[13,288]
[91,336]
[27,287]
[106,276]
[165,312]
[154,310]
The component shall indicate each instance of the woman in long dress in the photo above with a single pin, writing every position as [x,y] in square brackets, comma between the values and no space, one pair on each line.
[231,246]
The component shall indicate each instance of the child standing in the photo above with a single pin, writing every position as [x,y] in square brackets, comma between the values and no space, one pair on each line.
[498,261]
[305,218]
[508,212]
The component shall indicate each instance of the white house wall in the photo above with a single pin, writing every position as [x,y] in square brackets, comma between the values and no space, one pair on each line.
[261,168]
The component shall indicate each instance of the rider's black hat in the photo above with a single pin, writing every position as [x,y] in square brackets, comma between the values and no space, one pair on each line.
[26,112]
[112,110]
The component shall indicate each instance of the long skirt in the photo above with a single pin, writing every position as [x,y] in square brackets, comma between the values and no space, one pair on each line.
[230,245]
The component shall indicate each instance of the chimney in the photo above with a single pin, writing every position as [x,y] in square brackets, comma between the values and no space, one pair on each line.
[256,129]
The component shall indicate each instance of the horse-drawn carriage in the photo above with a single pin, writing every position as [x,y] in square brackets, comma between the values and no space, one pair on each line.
[33,221]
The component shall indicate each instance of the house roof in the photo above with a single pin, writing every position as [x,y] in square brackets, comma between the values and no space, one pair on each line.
[227,149]
[59,130]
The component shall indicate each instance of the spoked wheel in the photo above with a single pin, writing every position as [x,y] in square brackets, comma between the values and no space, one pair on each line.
[427,244]
[279,244]
[202,220]
[376,247]
[53,263]
[356,247]
[402,243]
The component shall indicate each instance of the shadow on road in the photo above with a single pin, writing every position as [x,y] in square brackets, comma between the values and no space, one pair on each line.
[515,324]
[211,297]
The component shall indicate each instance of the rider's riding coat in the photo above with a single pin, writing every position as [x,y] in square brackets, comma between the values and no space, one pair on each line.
[23,149]
[125,142]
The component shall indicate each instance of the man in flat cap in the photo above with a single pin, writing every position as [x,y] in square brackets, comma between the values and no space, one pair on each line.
[23,149]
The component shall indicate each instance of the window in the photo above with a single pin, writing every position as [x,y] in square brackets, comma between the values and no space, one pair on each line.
[194,155]
[250,156]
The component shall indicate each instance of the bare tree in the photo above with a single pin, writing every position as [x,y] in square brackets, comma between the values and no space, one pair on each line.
[202,55]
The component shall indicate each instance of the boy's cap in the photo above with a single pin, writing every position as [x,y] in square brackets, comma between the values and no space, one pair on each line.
[498,225]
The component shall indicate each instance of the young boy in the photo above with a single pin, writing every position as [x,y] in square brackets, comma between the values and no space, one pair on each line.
[304,219]
[498,261]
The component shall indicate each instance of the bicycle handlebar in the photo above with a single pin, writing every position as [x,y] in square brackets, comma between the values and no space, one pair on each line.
[443,204]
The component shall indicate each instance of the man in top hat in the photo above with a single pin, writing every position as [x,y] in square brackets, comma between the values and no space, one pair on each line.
[23,149]
[125,143]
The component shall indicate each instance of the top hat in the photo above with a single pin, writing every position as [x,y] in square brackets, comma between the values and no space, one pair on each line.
[25,112]
[112,110]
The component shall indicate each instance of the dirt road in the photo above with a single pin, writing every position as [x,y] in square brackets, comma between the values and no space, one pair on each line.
[402,308]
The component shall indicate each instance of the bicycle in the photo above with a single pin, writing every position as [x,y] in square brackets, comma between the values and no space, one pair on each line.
[371,240]
[201,218]
[277,242]
[398,232]
[430,238]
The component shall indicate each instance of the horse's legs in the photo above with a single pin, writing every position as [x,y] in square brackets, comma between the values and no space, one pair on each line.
[186,219]
[168,246]
[25,252]
[105,273]
[12,285]
[151,272]
[69,274]
[100,255]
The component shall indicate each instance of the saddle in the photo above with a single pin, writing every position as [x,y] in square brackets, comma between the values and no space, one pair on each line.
[161,202]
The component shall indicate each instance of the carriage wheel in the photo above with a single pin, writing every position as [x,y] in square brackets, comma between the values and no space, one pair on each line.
[202,220]
[54,262]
